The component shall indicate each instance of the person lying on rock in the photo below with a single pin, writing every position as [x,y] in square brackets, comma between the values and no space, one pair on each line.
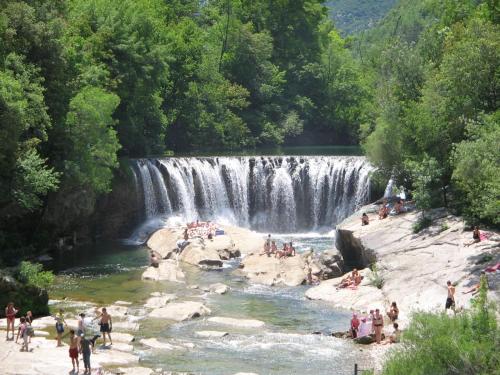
[475,289]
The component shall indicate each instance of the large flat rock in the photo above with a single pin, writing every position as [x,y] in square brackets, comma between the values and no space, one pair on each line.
[242,323]
[415,267]
[180,311]
[167,270]
[261,269]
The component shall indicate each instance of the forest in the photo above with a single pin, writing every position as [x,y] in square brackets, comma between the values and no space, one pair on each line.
[85,84]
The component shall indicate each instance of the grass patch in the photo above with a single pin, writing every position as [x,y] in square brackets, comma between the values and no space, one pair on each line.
[437,344]
[376,279]
[444,226]
[422,223]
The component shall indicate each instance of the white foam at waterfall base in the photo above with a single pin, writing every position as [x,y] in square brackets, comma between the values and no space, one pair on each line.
[268,194]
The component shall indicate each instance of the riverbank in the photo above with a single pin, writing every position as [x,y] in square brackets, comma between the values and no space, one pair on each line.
[413,268]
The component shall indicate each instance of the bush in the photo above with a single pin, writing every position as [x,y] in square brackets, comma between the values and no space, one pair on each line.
[33,274]
[422,223]
[375,278]
[440,345]
[444,227]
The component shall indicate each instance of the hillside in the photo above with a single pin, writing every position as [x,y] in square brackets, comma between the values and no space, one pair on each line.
[352,16]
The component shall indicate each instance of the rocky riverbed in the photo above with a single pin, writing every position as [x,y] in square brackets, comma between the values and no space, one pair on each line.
[190,314]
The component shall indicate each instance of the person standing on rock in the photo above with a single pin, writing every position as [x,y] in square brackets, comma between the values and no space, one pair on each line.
[73,350]
[86,348]
[450,299]
[378,323]
[106,326]
[354,326]
[10,314]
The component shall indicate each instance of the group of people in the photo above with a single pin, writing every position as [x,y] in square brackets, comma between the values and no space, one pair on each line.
[79,343]
[203,229]
[352,280]
[270,248]
[373,324]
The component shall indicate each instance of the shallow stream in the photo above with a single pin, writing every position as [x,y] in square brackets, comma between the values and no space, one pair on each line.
[109,272]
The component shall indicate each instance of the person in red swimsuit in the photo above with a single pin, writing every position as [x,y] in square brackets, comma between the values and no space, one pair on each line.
[73,350]
[10,314]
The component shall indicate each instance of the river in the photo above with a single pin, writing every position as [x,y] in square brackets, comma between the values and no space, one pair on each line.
[248,192]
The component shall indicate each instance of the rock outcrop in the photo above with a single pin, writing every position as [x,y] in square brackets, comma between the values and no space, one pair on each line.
[413,267]
[180,311]
[205,252]
[241,323]
[167,270]
[261,269]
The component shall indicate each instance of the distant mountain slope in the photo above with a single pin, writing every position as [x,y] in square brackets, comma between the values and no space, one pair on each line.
[352,16]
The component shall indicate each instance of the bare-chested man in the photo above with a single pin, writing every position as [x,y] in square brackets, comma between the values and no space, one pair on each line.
[106,325]
[450,300]
[73,350]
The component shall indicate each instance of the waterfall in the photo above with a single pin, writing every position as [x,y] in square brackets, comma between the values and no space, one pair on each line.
[271,193]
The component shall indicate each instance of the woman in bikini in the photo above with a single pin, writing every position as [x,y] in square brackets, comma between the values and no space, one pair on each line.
[10,314]
[378,324]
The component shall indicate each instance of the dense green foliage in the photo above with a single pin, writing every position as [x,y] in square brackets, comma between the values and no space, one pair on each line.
[34,275]
[437,73]
[437,344]
[83,83]
[352,16]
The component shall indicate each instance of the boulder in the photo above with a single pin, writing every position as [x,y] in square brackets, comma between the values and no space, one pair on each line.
[180,311]
[211,334]
[164,241]
[159,301]
[242,323]
[122,337]
[168,270]
[362,298]
[197,254]
[218,288]
[134,371]
[155,344]
[261,269]
[245,240]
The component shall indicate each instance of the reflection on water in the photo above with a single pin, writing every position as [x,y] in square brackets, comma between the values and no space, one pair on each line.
[285,345]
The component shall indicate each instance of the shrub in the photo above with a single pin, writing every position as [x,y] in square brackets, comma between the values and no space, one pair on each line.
[438,344]
[33,274]
[444,227]
[422,223]
[376,279]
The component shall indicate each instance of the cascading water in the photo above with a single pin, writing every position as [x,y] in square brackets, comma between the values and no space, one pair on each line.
[275,194]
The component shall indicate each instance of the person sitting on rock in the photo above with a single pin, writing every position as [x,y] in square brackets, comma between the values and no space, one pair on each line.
[365,220]
[393,312]
[398,207]
[154,259]
[395,337]
[476,236]
[383,211]
[291,250]
[364,328]
[283,252]
[274,248]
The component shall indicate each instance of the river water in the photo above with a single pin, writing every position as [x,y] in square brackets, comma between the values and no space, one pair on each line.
[301,196]
[109,272]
